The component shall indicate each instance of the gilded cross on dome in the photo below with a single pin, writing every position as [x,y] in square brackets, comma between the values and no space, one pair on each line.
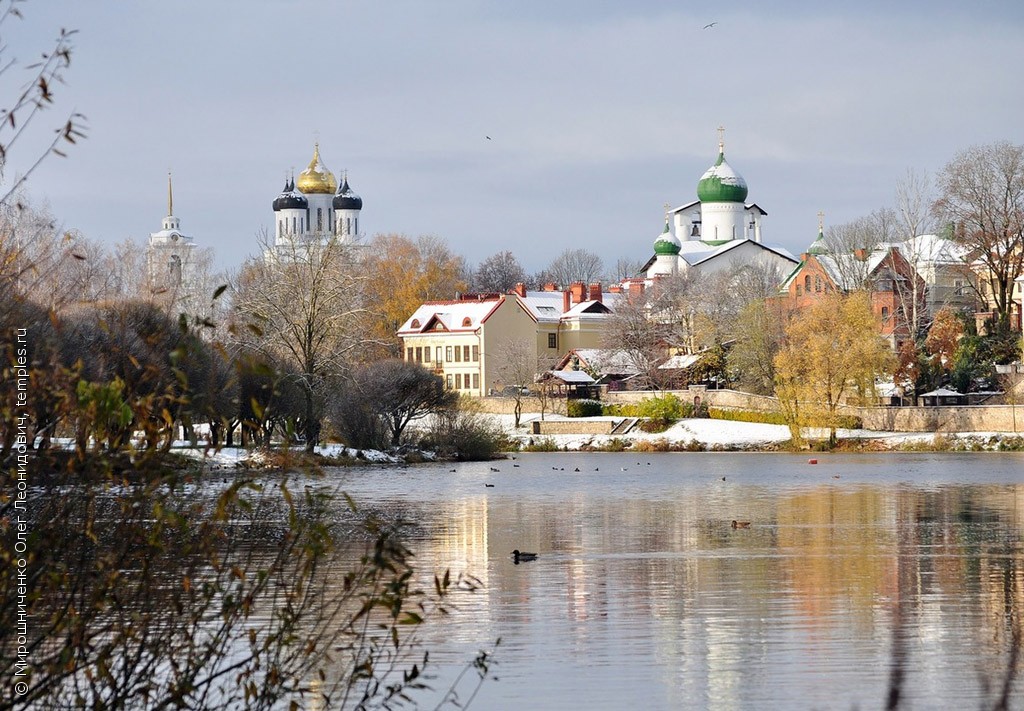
[721,139]
[821,221]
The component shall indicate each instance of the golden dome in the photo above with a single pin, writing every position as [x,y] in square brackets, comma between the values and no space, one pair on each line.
[316,178]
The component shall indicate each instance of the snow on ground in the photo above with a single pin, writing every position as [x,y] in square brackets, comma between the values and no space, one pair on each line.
[708,433]
[239,457]
[724,434]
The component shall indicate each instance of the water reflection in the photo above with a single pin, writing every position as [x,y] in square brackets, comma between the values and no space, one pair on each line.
[643,592]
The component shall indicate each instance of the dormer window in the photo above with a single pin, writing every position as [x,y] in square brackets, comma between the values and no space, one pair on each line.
[415,323]
[466,322]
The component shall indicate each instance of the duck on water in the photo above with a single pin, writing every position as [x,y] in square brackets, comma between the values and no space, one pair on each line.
[519,556]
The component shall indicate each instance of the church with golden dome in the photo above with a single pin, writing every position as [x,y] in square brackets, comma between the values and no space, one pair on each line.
[313,207]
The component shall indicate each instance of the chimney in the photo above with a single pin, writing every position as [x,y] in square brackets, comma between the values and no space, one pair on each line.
[805,256]
[550,286]
[861,255]
[520,289]
[636,288]
[615,289]
[566,301]
[595,291]
[578,289]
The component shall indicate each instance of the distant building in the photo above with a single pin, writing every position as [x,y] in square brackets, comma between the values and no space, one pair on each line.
[884,273]
[170,255]
[314,207]
[482,343]
[717,231]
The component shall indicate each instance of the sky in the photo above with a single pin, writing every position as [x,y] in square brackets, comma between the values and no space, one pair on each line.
[598,112]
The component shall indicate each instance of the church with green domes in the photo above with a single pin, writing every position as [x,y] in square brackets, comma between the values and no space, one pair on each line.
[717,230]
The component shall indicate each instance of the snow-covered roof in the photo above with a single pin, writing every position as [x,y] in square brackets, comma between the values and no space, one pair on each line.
[931,248]
[547,305]
[607,361]
[942,392]
[845,269]
[695,252]
[679,362]
[454,316]
[575,377]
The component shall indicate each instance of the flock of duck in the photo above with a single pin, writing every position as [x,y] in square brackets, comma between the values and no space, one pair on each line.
[519,556]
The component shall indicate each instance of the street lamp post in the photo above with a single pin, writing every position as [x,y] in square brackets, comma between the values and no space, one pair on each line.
[1011,373]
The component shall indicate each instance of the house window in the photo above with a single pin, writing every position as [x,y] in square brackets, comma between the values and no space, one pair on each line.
[458,381]
[465,353]
[799,290]
[408,355]
[458,354]
[807,283]
[415,323]
[448,381]
[467,322]
[476,354]
[476,381]
[419,354]
[552,340]
[437,354]
[885,313]
[319,219]
[448,354]
[958,287]
[817,283]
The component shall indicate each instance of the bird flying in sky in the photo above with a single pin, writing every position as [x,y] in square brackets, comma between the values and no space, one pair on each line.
[710,24]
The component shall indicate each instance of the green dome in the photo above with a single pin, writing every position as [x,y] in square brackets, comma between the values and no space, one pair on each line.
[667,243]
[721,183]
[819,246]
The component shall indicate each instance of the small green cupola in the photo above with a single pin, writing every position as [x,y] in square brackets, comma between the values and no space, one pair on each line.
[819,246]
[667,243]
[720,183]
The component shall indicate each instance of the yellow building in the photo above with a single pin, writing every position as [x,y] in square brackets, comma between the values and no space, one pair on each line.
[482,343]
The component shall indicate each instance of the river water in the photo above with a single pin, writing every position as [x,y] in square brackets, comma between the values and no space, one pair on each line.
[644,595]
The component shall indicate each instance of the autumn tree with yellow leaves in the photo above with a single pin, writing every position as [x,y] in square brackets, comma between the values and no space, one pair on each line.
[402,273]
[833,351]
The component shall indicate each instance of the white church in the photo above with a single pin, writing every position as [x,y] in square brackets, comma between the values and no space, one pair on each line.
[717,230]
[313,207]
[170,253]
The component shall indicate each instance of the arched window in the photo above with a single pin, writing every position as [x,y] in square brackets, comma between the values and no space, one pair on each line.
[415,323]
[817,283]
[467,322]
[807,283]
[319,219]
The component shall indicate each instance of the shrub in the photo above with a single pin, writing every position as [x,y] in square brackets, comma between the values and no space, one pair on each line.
[541,444]
[664,407]
[462,432]
[767,418]
[583,408]
[620,409]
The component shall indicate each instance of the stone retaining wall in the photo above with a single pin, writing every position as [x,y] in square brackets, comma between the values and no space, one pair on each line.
[573,426]
[960,418]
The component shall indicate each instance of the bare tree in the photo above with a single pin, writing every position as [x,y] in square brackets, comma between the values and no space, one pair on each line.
[760,334]
[517,372]
[498,273]
[624,268]
[641,335]
[849,242]
[44,76]
[574,265]
[982,195]
[913,205]
[305,306]
[399,392]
